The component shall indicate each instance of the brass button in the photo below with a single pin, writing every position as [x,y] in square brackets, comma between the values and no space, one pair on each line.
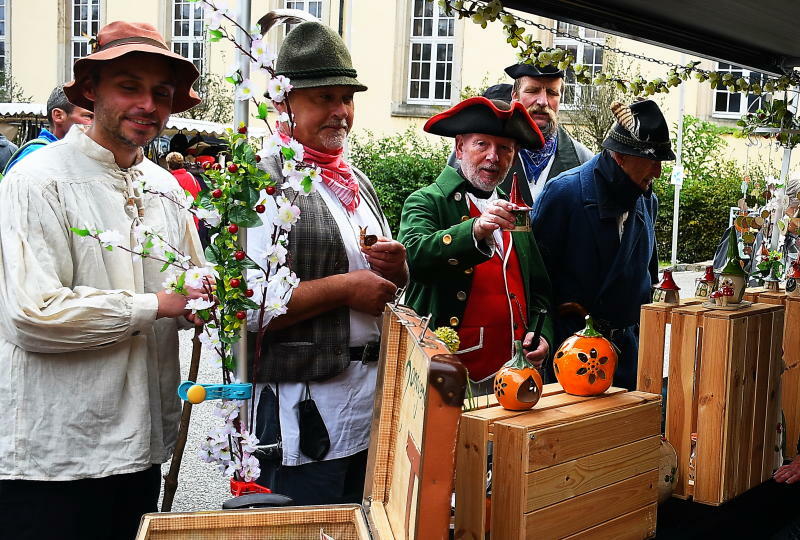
[452,262]
[461,295]
[447,239]
[457,196]
[469,271]
[453,321]
[464,218]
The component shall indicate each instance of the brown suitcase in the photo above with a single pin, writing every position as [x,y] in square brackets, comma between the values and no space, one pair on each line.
[411,461]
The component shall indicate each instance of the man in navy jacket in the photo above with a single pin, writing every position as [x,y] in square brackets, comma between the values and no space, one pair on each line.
[595,229]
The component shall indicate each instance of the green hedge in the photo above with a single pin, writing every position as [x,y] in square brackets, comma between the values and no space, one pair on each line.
[398,165]
[712,185]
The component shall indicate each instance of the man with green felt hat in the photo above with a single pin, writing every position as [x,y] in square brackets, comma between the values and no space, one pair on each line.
[472,268]
[316,377]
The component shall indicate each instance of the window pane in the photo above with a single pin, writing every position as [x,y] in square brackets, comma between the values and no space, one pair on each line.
[439,93]
[418,4]
[414,92]
[424,89]
[427,27]
[426,51]
[734,102]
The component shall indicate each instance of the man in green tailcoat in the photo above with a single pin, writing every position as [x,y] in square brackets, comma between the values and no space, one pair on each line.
[468,269]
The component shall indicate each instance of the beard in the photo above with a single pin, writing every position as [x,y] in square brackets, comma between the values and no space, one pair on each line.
[110,121]
[335,138]
[472,175]
[552,125]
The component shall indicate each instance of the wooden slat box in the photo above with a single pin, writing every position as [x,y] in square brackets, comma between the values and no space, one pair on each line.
[790,379]
[547,462]
[411,462]
[724,373]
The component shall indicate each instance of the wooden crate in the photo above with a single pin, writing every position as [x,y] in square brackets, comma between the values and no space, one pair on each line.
[724,372]
[653,334]
[568,453]
[410,466]
[790,379]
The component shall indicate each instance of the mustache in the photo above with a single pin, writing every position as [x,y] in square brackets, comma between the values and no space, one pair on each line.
[489,168]
[342,124]
[542,109]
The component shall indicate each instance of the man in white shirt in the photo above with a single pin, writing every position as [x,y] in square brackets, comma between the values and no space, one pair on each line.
[325,348]
[88,336]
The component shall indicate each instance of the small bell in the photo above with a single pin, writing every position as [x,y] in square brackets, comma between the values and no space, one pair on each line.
[667,291]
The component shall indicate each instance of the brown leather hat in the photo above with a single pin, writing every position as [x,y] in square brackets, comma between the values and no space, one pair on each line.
[119,38]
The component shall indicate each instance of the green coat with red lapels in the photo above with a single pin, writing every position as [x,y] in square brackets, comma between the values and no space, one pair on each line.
[436,230]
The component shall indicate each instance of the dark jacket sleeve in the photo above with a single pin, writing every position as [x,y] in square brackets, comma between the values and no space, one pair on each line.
[653,266]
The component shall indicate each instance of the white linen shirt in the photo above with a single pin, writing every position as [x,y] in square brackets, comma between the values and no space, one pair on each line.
[345,401]
[88,376]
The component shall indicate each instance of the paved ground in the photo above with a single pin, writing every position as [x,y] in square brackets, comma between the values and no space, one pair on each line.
[200,486]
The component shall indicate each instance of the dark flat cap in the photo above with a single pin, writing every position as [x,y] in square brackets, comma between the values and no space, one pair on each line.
[492,117]
[529,70]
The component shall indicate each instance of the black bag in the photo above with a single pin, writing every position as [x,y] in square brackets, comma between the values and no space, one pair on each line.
[314,439]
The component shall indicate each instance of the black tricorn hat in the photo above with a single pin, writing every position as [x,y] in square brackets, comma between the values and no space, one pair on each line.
[492,117]
[640,130]
[529,70]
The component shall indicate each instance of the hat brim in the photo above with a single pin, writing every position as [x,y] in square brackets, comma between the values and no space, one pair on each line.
[334,80]
[481,115]
[185,74]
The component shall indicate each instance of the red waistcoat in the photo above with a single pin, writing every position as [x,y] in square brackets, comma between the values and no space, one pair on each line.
[495,303]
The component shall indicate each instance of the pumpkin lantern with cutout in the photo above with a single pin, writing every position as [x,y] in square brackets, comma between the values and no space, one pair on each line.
[585,363]
[518,385]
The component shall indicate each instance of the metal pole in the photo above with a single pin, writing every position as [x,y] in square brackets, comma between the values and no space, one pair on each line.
[241,115]
[678,166]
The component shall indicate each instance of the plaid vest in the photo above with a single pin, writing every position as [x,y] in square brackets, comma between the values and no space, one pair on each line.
[318,348]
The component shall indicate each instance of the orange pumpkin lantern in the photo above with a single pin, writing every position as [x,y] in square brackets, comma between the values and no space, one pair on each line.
[518,385]
[585,362]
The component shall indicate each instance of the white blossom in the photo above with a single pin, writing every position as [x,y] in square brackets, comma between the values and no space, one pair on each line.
[250,469]
[275,306]
[211,217]
[198,304]
[109,238]
[278,87]
[283,117]
[249,442]
[275,254]
[216,16]
[196,277]
[299,152]
[273,145]
[287,216]
[244,90]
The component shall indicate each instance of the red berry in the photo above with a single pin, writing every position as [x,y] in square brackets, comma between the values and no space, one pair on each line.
[239,255]
[206,165]
[243,129]
[270,190]
[217,193]
[233,228]
[232,168]
[241,315]
[216,167]
[260,208]
[234,283]
[258,158]
[248,293]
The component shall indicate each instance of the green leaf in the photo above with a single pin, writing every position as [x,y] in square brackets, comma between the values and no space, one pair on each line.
[244,216]
[287,152]
[181,281]
[163,268]
[262,111]
[249,263]
[249,304]
[80,232]
[214,35]
[211,254]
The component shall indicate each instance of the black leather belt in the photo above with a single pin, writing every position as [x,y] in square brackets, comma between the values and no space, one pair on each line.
[366,354]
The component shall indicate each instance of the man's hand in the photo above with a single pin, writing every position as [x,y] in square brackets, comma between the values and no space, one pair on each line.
[496,216]
[538,355]
[388,258]
[368,292]
[788,474]
[171,304]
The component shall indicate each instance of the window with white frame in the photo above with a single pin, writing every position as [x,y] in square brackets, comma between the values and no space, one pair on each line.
[735,104]
[590,55]
[3,40]
[84,25]
[188,38]
[312,7]
[431,54]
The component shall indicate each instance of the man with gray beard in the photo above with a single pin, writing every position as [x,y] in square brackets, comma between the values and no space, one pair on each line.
[471,268]
[317,371]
